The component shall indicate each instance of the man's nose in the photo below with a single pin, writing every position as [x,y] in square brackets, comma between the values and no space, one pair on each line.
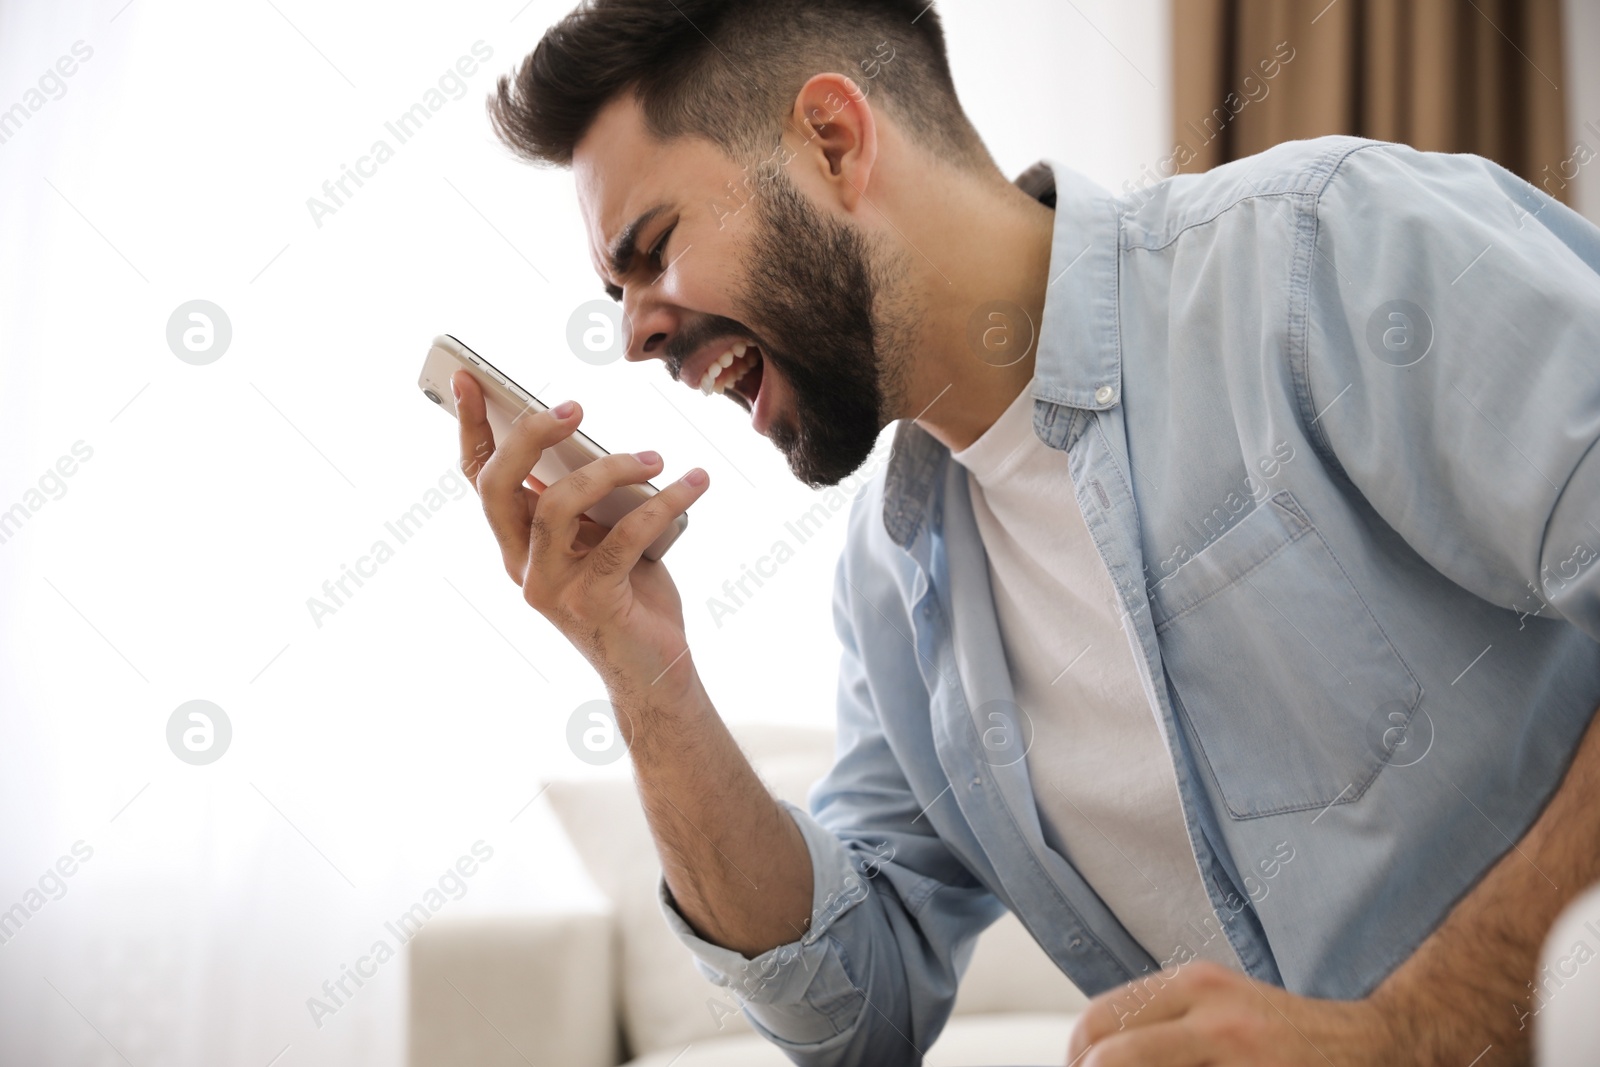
[648,329]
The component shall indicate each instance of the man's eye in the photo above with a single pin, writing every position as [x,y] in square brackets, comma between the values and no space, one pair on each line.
[658,253]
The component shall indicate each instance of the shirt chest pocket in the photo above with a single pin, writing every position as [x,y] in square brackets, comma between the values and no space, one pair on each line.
[1286,680]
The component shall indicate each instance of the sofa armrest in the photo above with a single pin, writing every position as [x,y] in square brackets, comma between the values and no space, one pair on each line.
[509,992]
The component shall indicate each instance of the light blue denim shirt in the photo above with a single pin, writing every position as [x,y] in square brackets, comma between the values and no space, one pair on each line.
[1331,415]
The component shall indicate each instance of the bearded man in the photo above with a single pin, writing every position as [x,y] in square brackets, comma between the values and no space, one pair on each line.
[1226,609]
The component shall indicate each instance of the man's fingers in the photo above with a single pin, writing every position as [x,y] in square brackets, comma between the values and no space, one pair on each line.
[1155,998]
[1170,1044]
[627,540]
[513,459]
[561,505]
[506,500]
[477,438]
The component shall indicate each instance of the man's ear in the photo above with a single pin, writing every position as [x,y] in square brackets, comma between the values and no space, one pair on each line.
[836,134]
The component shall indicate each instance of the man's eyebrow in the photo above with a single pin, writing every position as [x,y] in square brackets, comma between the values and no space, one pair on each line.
[620,256]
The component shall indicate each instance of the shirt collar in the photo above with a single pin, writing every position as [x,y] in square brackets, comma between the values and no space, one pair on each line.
[1078,361]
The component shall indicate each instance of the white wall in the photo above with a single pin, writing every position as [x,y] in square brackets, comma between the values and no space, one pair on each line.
[1086,83]
[1581,38]
[370,752]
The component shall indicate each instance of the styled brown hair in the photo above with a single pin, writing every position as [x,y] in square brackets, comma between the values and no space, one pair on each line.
[729,70]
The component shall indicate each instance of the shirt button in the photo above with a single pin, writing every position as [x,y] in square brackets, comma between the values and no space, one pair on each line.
[976,781]
[1104,394]
[1076,942]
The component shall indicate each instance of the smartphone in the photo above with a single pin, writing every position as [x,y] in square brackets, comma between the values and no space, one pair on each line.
[504,400]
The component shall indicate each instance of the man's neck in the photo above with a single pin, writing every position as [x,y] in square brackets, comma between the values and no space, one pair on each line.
[981,253]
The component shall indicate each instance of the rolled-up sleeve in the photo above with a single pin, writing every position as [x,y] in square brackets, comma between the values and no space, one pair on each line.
[894,913]
[1453,371]
[799,993]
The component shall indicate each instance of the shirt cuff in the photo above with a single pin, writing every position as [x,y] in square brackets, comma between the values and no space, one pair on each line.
[786,975]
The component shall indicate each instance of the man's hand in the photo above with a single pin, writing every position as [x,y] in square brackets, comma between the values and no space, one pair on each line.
[1209,1016]
[711,816]
[621,611]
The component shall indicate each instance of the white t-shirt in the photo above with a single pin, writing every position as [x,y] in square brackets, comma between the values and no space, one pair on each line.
[1102,776]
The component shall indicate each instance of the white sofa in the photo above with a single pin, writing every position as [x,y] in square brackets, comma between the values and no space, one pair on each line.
[1566,1025]
[605,988]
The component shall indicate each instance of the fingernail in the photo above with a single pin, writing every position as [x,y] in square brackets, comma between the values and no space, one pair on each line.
[649,459]
[696,478]
[563,409]
[455,389]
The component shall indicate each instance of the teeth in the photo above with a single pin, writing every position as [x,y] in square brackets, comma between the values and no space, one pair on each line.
[708,382]
[715,381]
[711,373]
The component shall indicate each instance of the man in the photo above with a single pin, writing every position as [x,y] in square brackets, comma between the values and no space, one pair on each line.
[1226,608]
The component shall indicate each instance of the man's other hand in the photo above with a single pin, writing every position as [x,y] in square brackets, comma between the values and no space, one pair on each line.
[1206,1015]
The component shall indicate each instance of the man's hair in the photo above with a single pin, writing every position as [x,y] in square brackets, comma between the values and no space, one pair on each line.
[729,71]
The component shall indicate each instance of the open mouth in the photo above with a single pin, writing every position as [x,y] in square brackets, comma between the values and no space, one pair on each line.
[737,374]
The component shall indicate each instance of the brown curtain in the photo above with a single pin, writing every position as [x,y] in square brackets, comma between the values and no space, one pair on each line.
[1478,76]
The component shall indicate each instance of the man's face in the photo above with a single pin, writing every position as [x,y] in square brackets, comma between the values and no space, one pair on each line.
[724,260]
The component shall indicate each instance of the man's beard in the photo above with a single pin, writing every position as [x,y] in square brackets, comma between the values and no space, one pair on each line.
[810,288]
